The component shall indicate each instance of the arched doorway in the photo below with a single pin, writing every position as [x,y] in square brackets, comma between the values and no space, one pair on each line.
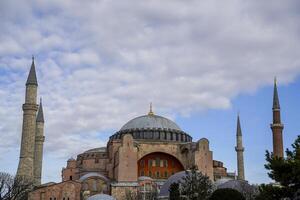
[94,183]
[158,165]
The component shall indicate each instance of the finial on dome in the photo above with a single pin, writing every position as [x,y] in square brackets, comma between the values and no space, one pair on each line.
[150,112]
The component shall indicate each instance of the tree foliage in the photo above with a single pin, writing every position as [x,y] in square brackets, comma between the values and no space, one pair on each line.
[14,188]
[285,171]
[271,192]
[174,191]
[226,194]
[195,185]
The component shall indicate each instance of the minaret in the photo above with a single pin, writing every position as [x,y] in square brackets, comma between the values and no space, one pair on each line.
[239,151]
[30,107]
[277,126]
[39,143]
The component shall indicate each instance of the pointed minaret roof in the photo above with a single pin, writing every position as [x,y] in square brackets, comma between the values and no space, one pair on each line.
[40,115]
[32,80]
[238,128]
[276,104]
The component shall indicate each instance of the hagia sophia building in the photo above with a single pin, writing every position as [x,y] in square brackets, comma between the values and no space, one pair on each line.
[146,152]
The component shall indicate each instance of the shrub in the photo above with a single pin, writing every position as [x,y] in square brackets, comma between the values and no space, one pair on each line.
[226,194]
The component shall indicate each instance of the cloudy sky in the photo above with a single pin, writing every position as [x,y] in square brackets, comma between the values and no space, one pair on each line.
[100,63]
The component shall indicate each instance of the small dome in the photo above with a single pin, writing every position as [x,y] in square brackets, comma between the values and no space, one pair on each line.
[238,185]
[152,122]
[145,178]
[71,159]
[164,191]
[96,150]
[101,197]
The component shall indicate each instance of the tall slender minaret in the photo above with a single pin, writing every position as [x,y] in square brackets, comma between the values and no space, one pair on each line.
[39,143]
[277,126]
[30,107]
[240,151]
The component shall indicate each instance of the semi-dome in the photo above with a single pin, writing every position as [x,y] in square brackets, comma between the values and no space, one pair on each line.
[151,122]
[153,127]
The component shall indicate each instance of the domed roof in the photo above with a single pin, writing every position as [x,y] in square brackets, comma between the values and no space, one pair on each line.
[175,178]
[96,150]
[101,197]
[152,127]
[238,185]
[150,121]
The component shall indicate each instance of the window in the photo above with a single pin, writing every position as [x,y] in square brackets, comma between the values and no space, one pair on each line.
[149,163]
[161,163]
[71,178]
[64,198]
[166,174]
[97,160]
[50,198]
[150,174]
[173,163]
[42,197]
[165,163]
[94,185]
[142,163]
[157,162]
[157,174]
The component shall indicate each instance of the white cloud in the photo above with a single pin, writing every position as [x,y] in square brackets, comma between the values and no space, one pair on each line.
[100,63]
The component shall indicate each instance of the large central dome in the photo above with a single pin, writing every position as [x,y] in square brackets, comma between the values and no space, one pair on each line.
[152,127]
[151,122]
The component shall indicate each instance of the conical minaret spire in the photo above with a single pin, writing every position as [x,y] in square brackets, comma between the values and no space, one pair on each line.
[240,151]
[40,115]
[39,144]
[26,162]
[277,126]
[31,79]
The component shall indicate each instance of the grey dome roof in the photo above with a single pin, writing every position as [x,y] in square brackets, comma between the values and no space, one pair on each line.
[238,185]
[152,127]
[152,122]
[101,197]
[96,150]
[164,191]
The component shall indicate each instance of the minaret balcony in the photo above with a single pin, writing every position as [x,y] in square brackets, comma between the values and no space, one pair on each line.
[239,148]
[276,125]
[27,106]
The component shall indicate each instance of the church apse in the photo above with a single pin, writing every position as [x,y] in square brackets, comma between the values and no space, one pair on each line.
[158,165]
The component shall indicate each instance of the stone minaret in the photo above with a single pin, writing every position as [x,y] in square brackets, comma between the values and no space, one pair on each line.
[30,107]
[277,126]
[240,151]
[39,143]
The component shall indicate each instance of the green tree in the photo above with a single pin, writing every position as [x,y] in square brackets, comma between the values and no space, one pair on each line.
[226,194]
[174,191]
[195,185]
[271,192]
[285,171]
